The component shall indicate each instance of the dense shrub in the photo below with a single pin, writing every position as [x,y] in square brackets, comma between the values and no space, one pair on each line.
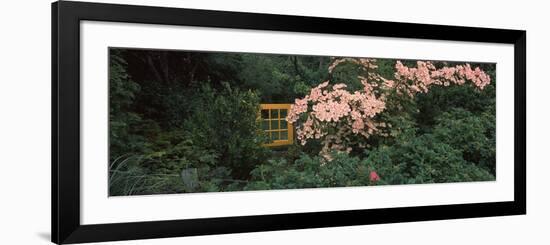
[226,122]
[473,135]
[311,172]
[217,145]
[423,159]
[443,99]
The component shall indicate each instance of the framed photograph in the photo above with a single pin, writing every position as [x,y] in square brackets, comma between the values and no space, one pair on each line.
[176,122]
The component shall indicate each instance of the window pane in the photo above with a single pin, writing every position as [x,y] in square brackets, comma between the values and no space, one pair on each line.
[265,114]
[274,124]
[274,135]
[274,113]
[284,135]
[265,124]
[284,124]
[283,113]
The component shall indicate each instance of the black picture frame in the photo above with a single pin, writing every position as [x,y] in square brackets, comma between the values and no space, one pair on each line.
[66,17]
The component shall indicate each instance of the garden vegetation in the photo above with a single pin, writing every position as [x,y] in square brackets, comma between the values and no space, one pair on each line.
[188,121]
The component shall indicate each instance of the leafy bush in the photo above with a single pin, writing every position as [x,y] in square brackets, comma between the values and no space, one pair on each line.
[311,172]
[220,142]
[473,135]
[443,99]
[423,159]
[178,157]
[226,122]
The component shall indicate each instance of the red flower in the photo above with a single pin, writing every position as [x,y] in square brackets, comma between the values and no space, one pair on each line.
[374,176]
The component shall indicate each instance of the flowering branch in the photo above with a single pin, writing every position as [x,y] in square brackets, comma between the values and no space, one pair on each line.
[333,115]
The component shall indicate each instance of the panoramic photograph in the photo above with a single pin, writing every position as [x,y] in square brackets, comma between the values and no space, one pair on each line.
[205,121]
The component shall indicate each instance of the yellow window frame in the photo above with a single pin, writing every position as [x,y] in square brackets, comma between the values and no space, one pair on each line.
[289,129]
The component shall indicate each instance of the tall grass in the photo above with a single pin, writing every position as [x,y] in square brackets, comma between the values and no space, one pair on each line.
[127,177]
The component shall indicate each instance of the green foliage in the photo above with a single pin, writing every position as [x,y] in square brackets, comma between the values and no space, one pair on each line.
[443,99]
[419,160]
[347,73]
[423,159]
[282,78]
[473,135]
[135,175]
[173,159]
[226,122]
[128,131]
[311,172]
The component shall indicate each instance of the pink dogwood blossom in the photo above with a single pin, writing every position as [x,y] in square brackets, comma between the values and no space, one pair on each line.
[419,79]
[334,107]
